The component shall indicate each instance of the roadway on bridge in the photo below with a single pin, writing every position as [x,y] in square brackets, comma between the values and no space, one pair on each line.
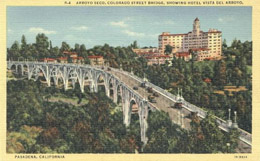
[162,103]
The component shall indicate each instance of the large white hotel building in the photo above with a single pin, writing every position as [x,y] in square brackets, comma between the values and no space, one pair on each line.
[207,45]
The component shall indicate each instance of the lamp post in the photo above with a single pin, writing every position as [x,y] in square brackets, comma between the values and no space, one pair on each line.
[235,125]
[228,147]
[229,121]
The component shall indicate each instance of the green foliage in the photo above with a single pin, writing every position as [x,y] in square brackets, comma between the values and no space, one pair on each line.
[62,127]
[168,49]
[206,137]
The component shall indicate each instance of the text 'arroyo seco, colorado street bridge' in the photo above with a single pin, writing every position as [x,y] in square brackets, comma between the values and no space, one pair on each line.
[121,83]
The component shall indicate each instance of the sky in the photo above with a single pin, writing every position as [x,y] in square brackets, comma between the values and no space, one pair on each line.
[120,26]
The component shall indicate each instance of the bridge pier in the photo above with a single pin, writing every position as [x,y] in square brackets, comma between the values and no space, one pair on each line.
[115,96]
[127,113]
[73,83]
[143,116]
[22,70]
[95,87]
[65,84]
[29,73]
[48,80]
[107,91]
[16,68]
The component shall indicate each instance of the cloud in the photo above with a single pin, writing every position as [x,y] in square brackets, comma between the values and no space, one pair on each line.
[169,22]
[41,30]
[80,28]
[118,23]
[121,23]
[133,34]
[225,19]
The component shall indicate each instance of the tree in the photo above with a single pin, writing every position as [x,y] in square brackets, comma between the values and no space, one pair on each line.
[224,44]
[23,43]
[55,52]
[42,46]
[220,73]
[134,45]
[64,47]
[23,141]
[50,45]
[83,51]
[14,51]
[207,72]
[77,48]
[168,49]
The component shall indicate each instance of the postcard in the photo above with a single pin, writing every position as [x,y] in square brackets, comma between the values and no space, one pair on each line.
[129,80]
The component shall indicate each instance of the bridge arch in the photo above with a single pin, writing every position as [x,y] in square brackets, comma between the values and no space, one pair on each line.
[133,106]
[12,67]
[35,71]
[56,76]
[112,87]
[72,78]
[101,83]
[119,94]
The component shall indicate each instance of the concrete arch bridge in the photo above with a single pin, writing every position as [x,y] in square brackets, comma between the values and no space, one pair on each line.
[119,84]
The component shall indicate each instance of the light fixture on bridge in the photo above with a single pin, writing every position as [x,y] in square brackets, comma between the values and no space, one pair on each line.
[132,71]
[229,121]
[235,125]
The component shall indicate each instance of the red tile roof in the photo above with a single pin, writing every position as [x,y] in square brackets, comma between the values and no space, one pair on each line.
[182,54]
[48,59]
[207,80]
[63,58]
[80,58]
[173,34]
[213,32]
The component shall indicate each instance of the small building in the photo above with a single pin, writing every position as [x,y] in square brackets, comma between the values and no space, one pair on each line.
[77,60]
[158,59]
[146,52]
[183,55]
[203,54]
[96,60]
[62,59]
[207,80]
[48,60]
[70,54]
